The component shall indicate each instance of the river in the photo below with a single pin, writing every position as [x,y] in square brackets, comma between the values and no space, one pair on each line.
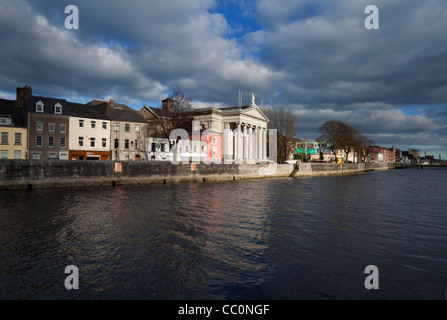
[288,238]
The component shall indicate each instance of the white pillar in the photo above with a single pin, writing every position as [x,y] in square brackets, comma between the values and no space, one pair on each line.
[264,144]
[250,144]
[228,144]
[245,144]
[238,145]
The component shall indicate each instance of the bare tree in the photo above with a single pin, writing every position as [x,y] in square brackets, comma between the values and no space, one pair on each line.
[285,124]
[363,147]
[175,114]
[340,135]
[141,143]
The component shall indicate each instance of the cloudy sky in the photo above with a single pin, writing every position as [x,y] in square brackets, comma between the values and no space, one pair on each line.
[313,57]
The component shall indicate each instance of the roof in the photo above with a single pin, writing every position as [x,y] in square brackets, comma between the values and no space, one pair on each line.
[86,111]
[9,109]
[49,103]
[117,111]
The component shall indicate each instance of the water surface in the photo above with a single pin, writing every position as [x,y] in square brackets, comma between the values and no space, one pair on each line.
[305,238]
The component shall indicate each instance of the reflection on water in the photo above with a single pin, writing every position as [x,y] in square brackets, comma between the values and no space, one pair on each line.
[305,238]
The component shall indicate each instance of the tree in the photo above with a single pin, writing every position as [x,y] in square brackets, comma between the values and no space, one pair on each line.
[340,135]
[175,114]
[285,124]
[363,147]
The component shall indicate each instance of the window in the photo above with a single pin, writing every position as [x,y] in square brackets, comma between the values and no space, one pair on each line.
[93,124]
[57,108]
[81,141]
[38,141]
[63,128]
[51,142]
[214,151]
[137,128]
[154,147]
[39,126]
[39,106]
[5,121]
[104,125]
[52,156]
[117,126]
[104,142]
[214,140]
[17,154]
[17,138]
[4,154]
[117,143]
[127,127]
[36,156]
[62,142]
[4,137]
[92,142]
[51,127]
[126,144]
[81,123]
[163,146]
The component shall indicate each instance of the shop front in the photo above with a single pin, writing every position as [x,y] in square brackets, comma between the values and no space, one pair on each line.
[89,155]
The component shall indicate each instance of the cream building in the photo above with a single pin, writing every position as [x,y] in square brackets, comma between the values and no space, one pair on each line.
[13,132]
[128,131]
[89,133]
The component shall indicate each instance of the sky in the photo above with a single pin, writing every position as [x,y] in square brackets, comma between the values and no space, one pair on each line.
[315,58]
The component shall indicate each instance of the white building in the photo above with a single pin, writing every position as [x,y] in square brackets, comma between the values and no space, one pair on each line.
[89,137]
[128,131]
[244,131]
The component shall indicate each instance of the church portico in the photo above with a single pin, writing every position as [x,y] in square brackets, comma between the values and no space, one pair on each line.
[244,131]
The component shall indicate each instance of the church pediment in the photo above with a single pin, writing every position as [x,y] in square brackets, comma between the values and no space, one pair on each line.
[256,113]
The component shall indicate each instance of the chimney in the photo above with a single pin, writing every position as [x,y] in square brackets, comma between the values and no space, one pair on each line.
[109,104]
[22,94]
[168,105]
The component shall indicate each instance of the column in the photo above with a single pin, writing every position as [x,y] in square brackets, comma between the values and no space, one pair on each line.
[245,141]
[249,144]
[238,144]
[228,144]
[264,144]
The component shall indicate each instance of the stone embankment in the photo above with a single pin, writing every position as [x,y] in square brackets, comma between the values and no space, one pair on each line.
[52,173]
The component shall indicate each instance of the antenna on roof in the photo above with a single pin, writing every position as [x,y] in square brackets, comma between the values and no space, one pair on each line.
[239,101]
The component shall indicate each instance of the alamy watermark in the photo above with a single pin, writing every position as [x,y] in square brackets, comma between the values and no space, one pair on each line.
[372,281]
[72,281]
[372,21]
[72,20]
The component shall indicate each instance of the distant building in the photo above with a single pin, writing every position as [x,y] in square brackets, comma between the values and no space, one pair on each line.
[381,154]
[13,143]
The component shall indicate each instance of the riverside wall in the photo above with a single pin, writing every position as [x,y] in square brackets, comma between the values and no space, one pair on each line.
[20,174]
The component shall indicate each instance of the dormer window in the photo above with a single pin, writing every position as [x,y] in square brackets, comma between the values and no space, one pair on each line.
[58,108]
[5,121]
[39,106]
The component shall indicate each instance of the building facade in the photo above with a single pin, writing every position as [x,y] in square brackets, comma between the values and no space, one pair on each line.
[48,125]
[243,131]
[13,131]
[128,131]
[89,133]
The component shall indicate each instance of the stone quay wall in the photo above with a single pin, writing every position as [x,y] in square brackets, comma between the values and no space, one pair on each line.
[54,173]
